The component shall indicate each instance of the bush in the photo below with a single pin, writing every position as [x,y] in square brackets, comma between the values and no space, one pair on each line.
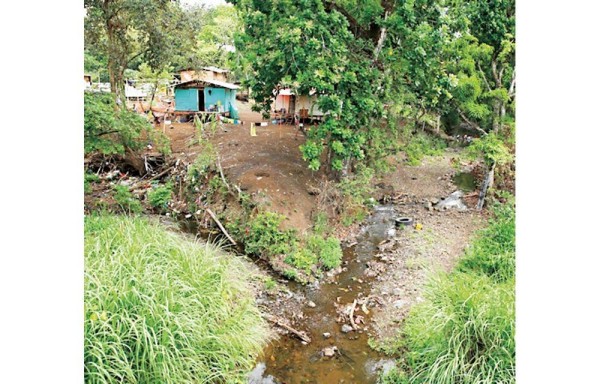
[126,201]
[463,332]
[110,130]
[262,236]
[161,309]
[328,251]
[160,196]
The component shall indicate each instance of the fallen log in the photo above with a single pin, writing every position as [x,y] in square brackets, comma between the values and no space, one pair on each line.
[301,335]
[214,217]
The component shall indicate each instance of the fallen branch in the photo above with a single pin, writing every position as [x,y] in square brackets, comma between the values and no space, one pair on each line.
[214,217]
[301,335]
[135,186]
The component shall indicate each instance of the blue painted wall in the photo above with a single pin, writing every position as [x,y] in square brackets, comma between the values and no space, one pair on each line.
[186,99]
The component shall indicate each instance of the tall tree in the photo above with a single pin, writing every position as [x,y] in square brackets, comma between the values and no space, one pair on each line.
[127,29]
[327,48]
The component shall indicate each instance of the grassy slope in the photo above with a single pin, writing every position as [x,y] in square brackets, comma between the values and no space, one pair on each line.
[161,309]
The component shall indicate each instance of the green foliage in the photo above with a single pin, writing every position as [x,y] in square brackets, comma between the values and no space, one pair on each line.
[126,201]
[158,308]
[204,162]
[421,145]
[262,236]
[463,331]
[303,259]
[327,250]
[493,252]
[110,130]
[394,376]
[160,196]
[87,179]
[321,223]
[356,190]
[491,149]
[270,284]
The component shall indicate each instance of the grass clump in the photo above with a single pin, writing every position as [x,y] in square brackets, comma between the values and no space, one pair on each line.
[161,309]
[493,253]
[356,191]
[463,332]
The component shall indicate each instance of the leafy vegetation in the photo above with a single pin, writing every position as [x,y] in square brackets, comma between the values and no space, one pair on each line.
[126,201]
[159,308]
[464,329]
[160,196]
[422,145]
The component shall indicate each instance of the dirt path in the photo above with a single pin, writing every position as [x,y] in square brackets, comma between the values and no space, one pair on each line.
[414,253]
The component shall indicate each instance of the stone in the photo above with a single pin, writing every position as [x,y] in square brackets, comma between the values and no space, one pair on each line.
[330,351]
[397,291]
[327,335]
[311,304]
[399,304]
[346,328]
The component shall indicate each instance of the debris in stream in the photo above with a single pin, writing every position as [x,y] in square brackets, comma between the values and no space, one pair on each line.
[329,351]
[347,328]
[453,201]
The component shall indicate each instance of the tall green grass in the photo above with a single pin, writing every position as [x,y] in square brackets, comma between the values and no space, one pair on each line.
[162,309]
[464,330]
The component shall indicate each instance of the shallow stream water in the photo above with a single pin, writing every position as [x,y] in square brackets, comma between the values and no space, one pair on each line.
[288,360]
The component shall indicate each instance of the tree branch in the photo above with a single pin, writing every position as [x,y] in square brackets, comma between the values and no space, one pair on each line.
[473,125]
[483,77]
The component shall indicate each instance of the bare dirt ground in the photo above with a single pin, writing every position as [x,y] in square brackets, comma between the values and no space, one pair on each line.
[269,165]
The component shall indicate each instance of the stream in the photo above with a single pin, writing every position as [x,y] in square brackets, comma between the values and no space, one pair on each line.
[288,360]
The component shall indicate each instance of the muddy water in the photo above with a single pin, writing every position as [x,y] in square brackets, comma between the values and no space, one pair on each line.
[288,360]
[465,181]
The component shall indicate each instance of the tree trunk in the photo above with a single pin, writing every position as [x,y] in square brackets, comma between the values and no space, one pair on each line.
[487,184]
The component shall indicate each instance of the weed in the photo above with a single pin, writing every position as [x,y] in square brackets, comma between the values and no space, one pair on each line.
[302,259]
[160,196]
[126,201]
[270,284]
[262,236]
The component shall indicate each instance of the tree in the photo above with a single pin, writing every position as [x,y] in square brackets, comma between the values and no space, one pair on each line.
[125,30]
[327,48]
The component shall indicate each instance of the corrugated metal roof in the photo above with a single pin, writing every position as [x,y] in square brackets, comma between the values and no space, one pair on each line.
[215,69]
[218,83]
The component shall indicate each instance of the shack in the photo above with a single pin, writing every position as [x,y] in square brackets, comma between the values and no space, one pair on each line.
[206,96]
[288,103]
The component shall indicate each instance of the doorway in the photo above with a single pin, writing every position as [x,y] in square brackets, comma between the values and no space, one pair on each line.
[201,100]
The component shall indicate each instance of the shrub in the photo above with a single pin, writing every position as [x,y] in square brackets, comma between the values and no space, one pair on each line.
[463,332]
[126,201]
[160,196]
[161,309]
[302,259]
[328,251]
[262,236]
